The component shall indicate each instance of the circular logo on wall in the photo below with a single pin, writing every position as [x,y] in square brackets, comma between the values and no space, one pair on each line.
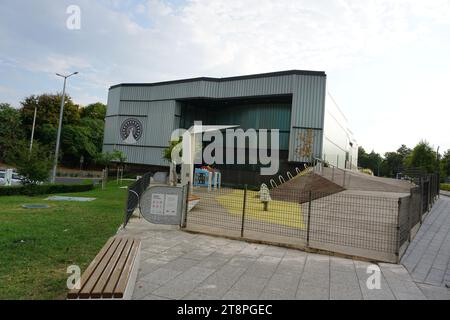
[131,131]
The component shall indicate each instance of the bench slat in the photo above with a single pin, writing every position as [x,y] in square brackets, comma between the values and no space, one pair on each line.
[85,293]
[105,277]
[108,291]
[119,291]
[74,293]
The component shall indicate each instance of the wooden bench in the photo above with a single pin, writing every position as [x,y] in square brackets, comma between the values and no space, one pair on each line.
[112,274]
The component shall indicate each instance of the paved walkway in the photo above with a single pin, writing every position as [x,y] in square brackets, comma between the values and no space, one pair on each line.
[180,265]
[428,256]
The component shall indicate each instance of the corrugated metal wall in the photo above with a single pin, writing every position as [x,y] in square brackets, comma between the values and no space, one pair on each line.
[256,87]
[113,101]
[308,107]
[156,106]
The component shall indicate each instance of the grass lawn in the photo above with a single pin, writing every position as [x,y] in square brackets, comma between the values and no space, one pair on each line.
[280,212]
[445,186]
[37,246]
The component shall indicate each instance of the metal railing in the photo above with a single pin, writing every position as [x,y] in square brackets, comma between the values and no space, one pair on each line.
[337,175]
[414,208]
[135,192]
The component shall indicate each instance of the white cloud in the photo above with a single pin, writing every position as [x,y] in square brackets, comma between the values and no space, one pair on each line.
[156,40]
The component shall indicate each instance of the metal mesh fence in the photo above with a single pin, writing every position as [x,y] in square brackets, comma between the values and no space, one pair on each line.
[412,209]
[348,222]
[135,192]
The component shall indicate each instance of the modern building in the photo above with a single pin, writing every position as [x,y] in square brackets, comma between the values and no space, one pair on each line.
[141,117]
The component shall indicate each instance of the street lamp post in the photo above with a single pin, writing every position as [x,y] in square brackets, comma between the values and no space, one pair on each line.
[32,130]
[61,112]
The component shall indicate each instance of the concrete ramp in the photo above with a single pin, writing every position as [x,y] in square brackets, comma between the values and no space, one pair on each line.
[329,181]
[297,189]
[354,180]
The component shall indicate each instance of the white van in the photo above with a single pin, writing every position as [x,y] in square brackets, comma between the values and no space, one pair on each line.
[16,178]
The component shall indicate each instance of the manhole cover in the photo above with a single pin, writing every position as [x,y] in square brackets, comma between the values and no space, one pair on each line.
[75,199]
[35,206]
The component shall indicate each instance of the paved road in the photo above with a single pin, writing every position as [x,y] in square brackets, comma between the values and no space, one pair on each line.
[179,265]
[68,180]
[428,256]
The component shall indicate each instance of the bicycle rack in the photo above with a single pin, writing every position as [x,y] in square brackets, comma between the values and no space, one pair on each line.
[272,182]
[282,180]
[289,175]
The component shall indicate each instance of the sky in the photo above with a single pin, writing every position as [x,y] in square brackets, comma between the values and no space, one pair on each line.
[387,62]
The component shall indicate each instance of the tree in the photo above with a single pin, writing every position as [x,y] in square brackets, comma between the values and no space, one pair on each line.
[167,154]
[424,157]
[363,158]
[11,129]
[96,130]
[48,110]
[120,157]
[76,142]
[404,151]
[94,111]
[445,165]
[35,166]
[370,161]
[106,158]
[394,162]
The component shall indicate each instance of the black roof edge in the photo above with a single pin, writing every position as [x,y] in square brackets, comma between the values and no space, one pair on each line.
[244,77]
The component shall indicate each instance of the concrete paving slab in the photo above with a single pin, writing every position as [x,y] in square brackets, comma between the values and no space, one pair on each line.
[209,268]
[183,284]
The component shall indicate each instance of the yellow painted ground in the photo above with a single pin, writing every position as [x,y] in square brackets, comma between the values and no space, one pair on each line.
[280,212]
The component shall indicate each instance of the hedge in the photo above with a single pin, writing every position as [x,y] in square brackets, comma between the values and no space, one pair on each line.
[34,190]
[445,186]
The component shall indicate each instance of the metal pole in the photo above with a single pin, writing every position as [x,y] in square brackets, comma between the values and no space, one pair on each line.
[32,130]
[61,113]
[344,179]
[58,137]
[397,253]
[409,215]
[186,207]
[421,199]
[309,219]
[243,211]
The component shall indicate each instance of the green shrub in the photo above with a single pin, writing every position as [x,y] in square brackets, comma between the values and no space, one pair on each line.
[445,186]
[34,190]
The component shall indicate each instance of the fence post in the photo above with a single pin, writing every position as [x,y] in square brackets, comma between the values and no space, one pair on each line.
[186,209]
[438,186]
[398,229]
[421,199]
[344,179]
[125,220]
[309,218]
[409,214]
[243,211]
[429,194]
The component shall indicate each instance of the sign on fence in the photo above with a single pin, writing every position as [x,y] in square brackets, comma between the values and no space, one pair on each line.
[163,204]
